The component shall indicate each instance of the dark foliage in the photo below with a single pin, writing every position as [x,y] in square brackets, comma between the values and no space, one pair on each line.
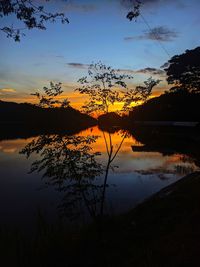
[174,106]
[162,231]
[30,14]
[135,12]
[34,119]
[184,71]
[168,141]
[100,87]
[50,98]
[110,119]
[103,87]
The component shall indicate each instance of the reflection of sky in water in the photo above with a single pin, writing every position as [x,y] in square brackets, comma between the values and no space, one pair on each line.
[146,162]
[139,174]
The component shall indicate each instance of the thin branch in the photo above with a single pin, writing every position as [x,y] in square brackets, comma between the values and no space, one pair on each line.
[106,143]
[111,146]
[119,147]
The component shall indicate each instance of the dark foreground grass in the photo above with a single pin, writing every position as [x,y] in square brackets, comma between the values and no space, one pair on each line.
[163,231]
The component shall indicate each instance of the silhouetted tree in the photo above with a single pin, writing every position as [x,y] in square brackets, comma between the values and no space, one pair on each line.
[66,158]
[49,99]
[135,12]
[103,84]
[30,14]
[102,88]
[184,71]
[139,93]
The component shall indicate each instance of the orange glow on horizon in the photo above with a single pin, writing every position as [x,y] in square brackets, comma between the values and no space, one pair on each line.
[76,100]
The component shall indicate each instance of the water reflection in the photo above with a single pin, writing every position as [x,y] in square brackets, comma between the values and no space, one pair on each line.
[69,164]
[80,181]
[84,166]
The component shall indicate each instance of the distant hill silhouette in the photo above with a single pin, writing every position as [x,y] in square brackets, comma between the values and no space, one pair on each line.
[168,141]
[174,106]
[109,119]
[24,120]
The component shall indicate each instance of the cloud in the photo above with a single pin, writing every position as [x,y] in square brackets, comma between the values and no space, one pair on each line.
[7,90]
[129,4]
[78,65]
[148,70]
[152,71]
[59,56]
[131,38]
[161,33]
[165,65]
[72,5]
[14,78]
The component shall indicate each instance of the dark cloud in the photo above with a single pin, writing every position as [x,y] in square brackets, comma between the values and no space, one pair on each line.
[152,71]
[161,33]
[73,5]
[165,65]
[148,70]
[78,65]
[129,4]
[128,71]
[132,38]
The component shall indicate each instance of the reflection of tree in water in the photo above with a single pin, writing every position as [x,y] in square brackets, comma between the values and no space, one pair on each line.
[70,165]
[111,153]
[170,141]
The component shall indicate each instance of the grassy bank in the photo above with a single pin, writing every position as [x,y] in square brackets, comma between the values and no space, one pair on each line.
[165,230]
[162,231]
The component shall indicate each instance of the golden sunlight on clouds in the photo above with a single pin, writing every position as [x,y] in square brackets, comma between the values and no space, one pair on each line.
[12,146]
[18,98]
[7,90]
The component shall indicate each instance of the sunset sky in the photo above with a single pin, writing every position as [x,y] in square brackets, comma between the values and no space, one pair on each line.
[98,30]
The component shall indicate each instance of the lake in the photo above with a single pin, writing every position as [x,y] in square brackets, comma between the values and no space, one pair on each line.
[71,183]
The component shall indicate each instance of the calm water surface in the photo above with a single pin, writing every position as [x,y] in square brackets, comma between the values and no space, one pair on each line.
[133,176]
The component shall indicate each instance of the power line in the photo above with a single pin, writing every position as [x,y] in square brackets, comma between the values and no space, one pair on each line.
[155,35]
